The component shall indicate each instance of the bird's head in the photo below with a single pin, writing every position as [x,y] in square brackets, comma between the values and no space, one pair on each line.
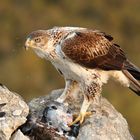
[38,41]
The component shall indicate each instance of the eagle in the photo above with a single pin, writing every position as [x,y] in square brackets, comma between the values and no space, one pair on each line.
[86,58]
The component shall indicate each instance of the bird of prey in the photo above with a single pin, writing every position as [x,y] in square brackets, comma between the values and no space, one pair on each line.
[86,58]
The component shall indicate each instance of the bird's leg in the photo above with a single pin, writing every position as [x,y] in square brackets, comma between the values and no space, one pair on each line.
[69,88]
[83,111]
[91,93]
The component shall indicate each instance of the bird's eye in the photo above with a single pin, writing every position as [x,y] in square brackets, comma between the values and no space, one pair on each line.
[37,40]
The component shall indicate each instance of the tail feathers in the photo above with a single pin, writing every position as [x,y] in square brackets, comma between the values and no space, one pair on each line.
[133,70]
[134,85]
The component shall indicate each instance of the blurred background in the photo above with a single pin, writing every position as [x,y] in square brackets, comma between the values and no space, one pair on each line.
[23,72]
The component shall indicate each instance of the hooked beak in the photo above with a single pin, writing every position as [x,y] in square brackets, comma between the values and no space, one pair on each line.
[28,44]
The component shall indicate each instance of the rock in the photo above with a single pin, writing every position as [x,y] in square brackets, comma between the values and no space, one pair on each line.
[48,119]
[18,135]
[13,112]
[105,123]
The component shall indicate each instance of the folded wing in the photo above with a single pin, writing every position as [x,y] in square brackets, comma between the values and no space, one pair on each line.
[93,49]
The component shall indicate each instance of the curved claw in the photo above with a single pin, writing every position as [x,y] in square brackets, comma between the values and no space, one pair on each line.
[81,117]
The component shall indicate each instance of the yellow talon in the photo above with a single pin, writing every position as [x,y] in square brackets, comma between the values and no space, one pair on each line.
[80,118]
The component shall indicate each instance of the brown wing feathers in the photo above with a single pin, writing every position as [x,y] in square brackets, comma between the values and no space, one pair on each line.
[94,50]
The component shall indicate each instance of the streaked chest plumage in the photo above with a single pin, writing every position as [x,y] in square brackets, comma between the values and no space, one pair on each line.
[72,70]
